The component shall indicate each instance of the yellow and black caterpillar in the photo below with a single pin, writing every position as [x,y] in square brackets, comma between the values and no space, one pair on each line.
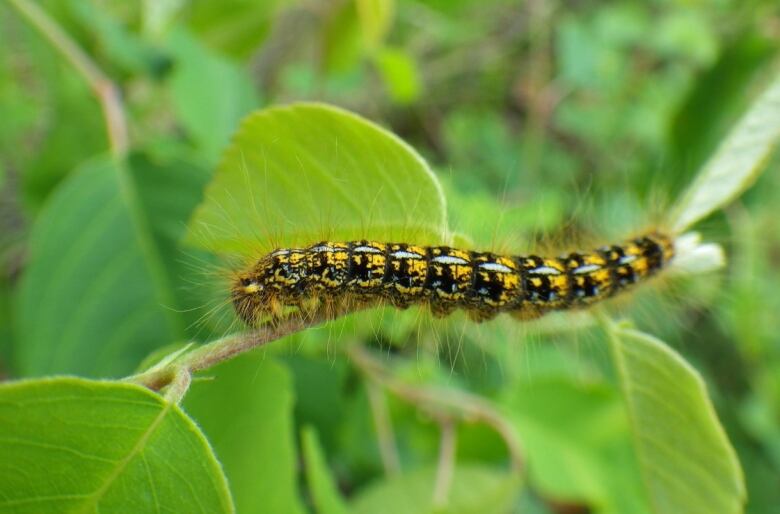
[482,283]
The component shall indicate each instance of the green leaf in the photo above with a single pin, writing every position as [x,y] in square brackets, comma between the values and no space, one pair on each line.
[73,131]
[736,164]
[6,336]
[686,459]
[320,387]
[296,175]
[577,443]
[169,189]
[475,489]
[246,412]
[699,123]
[17,103]
[235,27]
[45,103]
[400,74]
[120,47]
[210,94]
[158,15]
[342,45]
[376,20]
[91,301]
[78,446]
[325,495]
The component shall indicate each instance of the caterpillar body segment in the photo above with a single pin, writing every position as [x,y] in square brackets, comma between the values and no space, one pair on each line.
[481,283]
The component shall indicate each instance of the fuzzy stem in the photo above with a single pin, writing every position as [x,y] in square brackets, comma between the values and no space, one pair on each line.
[227,348]
[104,89]
[179,386]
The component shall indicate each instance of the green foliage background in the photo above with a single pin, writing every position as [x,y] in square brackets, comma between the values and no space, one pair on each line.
[568,119]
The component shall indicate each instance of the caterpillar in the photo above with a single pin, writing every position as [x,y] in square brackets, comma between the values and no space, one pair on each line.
[483,284]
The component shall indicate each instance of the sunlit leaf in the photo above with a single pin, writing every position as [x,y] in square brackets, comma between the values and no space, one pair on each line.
[296,175]
[736,164]
[78,446]
[686,460]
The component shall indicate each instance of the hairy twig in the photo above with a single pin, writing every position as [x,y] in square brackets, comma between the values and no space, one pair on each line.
[104,89]
[178,386]
[229,347]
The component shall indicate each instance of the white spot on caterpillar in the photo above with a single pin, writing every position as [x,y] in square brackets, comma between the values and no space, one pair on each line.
[544,270]
[494,266]
[279,253]
[323,248]
[401,254]
[588,268]
[449,259]
[626,259]
[366,249]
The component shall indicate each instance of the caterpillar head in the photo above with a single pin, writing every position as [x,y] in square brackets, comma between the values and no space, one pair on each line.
[250,297]
[268,286]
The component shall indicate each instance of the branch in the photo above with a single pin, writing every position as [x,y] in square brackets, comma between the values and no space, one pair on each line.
[178,386]
[226,348]
[104,89]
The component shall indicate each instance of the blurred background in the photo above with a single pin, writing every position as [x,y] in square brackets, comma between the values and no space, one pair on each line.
[555,117]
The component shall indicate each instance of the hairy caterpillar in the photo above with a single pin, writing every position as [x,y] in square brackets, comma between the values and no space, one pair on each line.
[332,274]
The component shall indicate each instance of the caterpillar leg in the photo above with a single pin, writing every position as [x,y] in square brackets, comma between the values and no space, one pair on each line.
[400,303]
[480,315]
[527,313]
[310,305]
[275,307]
[441,310]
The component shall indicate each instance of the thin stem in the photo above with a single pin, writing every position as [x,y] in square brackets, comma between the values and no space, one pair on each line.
[179,386]
[442,402]
[105,90]
[229,347]
[445,469]
[388,450]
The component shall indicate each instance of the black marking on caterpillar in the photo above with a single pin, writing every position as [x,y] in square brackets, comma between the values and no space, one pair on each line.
[481,283]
